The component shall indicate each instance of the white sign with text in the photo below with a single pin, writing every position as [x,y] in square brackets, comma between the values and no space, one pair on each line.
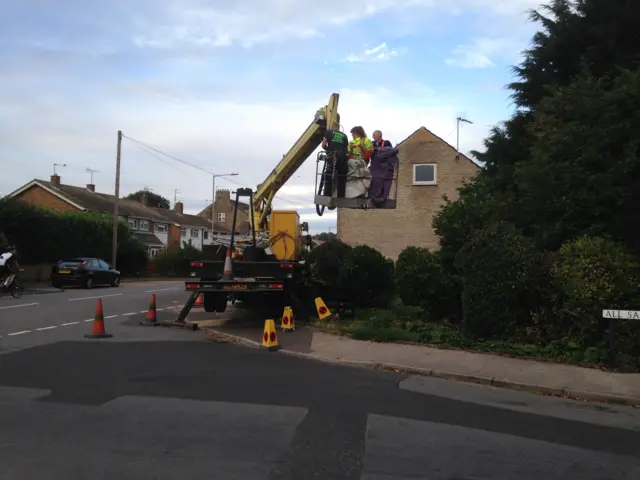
[622,314]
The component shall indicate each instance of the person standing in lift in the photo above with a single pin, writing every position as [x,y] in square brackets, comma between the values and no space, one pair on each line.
[336,143]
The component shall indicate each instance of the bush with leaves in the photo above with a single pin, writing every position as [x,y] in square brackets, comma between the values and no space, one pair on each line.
[500,271]
[323,267]
[366,277]
[591,274]
[46,236]
[422,280]
[176,263]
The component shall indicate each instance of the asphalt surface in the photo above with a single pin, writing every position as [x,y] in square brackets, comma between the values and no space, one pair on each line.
[160,403]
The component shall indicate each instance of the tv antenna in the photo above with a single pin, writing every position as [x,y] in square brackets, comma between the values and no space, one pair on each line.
[459,120]
[58,165]
[91,172]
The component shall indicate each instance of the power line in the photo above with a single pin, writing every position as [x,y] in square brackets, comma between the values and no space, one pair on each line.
[177,159]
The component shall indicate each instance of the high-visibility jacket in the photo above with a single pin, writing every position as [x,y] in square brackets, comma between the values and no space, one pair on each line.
[361,148]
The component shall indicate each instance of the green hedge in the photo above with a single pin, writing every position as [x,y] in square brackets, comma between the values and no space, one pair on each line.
[46,236]
[422,280]
[176,263]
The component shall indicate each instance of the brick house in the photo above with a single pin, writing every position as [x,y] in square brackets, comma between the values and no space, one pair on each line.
[152,226]
[428,169]
[224,213]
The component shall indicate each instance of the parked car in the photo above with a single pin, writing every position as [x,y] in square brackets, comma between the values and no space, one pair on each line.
[84,272]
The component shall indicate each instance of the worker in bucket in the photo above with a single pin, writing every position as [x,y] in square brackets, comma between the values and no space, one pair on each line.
[360,147]
[336,144]
[379,143]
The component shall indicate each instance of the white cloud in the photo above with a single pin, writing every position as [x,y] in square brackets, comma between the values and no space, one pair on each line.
[375,54]
[479,53]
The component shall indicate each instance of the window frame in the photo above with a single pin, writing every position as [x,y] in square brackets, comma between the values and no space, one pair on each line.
[435,173]
[146,225]
[183,232]
[161,228]
[133,223]
[222,217]
[194,233]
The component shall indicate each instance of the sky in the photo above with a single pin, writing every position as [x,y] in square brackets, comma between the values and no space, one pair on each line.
[230,86]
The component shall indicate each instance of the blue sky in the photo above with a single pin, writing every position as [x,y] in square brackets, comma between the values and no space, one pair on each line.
[230,86]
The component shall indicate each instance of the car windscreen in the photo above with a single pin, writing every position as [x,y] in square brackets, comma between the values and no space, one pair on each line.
[74,262]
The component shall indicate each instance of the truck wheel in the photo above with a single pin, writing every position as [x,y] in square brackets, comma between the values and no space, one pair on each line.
[215,303]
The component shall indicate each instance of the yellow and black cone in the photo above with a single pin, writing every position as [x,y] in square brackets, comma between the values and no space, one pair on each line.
[288,323]
[322,309]
[270,336]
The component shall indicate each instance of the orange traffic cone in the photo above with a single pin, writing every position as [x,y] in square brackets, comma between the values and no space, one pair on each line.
[227,273]
[199,301]
[98,324]
[151,320]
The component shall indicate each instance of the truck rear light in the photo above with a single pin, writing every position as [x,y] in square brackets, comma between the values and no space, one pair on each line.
[191,286]
[275,285]
[286,265]
[197,264]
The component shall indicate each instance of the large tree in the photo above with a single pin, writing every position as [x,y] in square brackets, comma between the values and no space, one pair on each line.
[588,37]
[153,199]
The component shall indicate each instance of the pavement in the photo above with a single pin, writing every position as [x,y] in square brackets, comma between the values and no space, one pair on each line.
[165,403]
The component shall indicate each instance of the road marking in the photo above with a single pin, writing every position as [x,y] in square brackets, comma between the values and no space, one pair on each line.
[48,328]
[159,309]
[19,333]
[130,313]
[89,320]
[111,316]
[69,323]
[161,290]
[142,311]
[20,305]
[97,296]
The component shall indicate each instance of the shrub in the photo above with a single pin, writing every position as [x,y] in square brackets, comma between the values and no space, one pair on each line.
[591,274]
[366,277]
[322,267]
[500,269]
[421,280]
[176,263]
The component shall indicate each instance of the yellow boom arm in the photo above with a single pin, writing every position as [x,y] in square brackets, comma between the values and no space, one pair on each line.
[292,160]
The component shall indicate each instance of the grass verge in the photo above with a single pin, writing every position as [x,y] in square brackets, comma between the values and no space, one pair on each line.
[401,324]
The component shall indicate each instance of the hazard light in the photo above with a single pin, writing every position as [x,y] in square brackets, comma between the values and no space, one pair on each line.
[197,264]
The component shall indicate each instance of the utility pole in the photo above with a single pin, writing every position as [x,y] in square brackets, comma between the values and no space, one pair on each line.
[459,120]
[114,242]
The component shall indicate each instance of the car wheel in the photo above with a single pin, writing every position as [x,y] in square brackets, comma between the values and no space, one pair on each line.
[116,281]
[88,283]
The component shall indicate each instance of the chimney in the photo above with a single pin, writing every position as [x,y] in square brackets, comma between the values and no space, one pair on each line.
[91,187]
[55,180]
[144,200]
[179,207]
[223,195]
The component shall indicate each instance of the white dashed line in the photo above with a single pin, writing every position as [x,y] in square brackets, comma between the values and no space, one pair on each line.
[89,320]
[97,296]
[111,316]
[129,314]
[159,309]
[69,323]
[47,328]
[142,311]
[20,305]
[161,290]
[19,333]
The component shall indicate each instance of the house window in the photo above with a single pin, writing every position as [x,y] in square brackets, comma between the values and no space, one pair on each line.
[133,223]
[153,252]
[194,233]
[121,218]
[425,174]
[161,227]
[205,235]
[222,217]
[144,225]
[183,232]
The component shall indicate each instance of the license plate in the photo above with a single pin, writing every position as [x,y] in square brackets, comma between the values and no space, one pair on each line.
[64,271]
[239,286]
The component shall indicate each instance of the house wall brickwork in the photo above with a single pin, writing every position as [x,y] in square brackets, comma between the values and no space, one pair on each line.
[390,231]
[40,197]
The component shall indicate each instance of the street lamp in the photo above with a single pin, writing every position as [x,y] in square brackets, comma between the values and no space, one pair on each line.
[213,203]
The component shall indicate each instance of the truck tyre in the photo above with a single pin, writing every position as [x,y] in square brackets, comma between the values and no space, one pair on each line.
[215,302]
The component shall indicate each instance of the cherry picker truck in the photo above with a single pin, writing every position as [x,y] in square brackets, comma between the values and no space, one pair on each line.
[263,263]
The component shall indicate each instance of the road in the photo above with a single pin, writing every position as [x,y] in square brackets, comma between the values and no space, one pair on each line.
[158,403]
